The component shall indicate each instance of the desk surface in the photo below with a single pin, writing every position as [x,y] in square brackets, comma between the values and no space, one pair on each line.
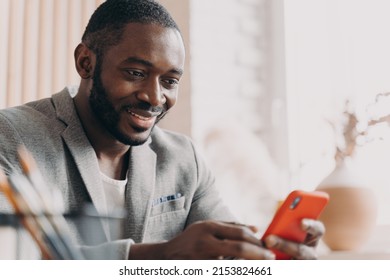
[376,248]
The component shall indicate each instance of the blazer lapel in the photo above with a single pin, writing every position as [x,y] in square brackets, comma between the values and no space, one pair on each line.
[141,173]
[80,148]
[140,190]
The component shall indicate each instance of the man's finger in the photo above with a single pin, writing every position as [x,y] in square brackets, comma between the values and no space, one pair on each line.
[315,230]
[234,232]
[313,227]
[295,250]
[241,250]
[254,229]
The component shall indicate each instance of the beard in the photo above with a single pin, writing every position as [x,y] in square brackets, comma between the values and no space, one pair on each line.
[109,117]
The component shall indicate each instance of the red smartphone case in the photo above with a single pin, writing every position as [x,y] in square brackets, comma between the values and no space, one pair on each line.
[287,220]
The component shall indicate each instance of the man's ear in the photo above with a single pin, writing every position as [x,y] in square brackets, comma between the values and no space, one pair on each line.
[85,61]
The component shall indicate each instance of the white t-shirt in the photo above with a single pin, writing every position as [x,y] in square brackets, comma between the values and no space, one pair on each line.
[114,198]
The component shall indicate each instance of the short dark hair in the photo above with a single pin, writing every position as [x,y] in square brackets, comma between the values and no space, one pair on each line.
[106,25]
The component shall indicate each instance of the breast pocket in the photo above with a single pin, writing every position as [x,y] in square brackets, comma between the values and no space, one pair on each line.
[166,220]
[168,206]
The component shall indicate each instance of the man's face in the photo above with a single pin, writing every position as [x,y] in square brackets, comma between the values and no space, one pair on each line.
[136,82]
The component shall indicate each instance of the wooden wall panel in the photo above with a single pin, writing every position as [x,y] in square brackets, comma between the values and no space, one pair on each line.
[37,54]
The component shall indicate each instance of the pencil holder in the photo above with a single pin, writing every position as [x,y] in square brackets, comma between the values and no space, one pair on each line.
[15,242]
[84,228]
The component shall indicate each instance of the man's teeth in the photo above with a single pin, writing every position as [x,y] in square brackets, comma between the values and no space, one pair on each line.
[138,116]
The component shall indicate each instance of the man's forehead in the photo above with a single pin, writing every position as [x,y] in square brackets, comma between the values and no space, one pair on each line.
[149,30]
[149,44]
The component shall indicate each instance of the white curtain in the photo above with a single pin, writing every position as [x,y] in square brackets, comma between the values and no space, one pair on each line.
[37,42]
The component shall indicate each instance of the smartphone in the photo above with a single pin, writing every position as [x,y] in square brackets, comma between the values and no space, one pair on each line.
[287,220]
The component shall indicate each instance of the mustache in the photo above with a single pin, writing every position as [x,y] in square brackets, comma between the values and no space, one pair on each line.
[144,107]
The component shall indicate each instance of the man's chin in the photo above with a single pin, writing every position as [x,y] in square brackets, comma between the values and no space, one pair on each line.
[136,139]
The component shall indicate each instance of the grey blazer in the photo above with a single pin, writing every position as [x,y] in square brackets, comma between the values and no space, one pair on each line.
[159,170]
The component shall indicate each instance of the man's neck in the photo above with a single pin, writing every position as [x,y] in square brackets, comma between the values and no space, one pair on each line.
[115,168]
[112,155]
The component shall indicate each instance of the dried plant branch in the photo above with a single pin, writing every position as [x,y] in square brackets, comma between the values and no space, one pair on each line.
[347,144]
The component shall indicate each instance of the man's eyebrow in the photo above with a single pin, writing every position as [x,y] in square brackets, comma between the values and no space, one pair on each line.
[134,59]
[147,63]
[177,71]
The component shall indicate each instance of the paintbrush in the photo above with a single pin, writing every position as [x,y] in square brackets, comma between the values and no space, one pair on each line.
[51,202]
[32,207]
[27,221]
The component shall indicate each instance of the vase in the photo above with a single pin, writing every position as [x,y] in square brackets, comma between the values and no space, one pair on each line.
[350,215]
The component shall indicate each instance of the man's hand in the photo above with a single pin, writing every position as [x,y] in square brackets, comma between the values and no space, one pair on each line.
[207,240]
[301,251]
[216,240]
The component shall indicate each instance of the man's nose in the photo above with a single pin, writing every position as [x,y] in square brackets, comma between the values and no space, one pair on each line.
[153,93]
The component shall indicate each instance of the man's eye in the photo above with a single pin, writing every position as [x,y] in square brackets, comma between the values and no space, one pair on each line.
[171,82]
[136,74]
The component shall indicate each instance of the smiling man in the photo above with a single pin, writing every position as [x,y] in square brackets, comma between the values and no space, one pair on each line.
[102,146]
[126,88]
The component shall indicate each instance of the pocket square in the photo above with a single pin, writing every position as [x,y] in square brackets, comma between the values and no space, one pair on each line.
[166,198]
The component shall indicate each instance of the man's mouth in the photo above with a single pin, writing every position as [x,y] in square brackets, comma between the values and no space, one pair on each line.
[138,116]
[142,119]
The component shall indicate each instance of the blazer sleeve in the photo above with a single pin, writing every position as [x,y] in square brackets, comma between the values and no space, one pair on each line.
[10,140]
[114,250]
